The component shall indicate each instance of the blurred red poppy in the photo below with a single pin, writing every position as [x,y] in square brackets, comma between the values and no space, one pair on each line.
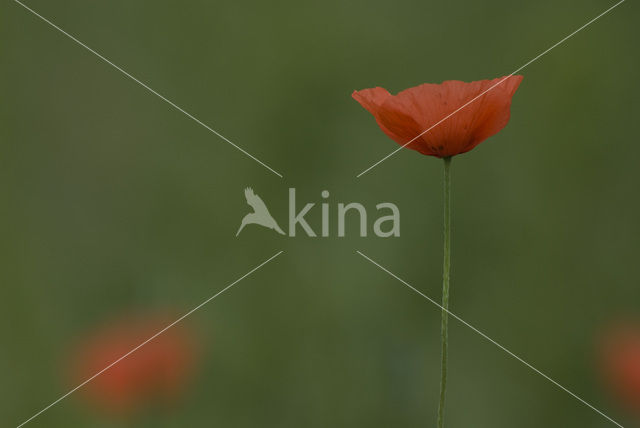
[411,112]
[156,371]
[621,362]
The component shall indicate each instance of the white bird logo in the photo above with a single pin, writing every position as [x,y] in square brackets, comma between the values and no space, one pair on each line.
[260,214]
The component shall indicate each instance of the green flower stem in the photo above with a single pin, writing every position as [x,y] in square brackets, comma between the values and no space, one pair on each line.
[445,288]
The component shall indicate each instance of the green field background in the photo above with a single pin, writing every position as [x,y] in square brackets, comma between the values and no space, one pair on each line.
[112,202]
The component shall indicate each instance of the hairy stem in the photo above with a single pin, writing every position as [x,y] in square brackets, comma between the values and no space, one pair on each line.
[445,288]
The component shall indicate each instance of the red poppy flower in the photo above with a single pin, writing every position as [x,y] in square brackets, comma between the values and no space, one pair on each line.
[407,115]
[621,361]
[156,371]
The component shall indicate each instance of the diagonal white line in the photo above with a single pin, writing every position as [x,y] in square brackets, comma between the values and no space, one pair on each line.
[149,339]
[478,96]
[171,103]
[490,340]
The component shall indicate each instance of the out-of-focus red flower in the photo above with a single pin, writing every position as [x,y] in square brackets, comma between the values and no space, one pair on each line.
[155,372]
[409,113]
[621,363]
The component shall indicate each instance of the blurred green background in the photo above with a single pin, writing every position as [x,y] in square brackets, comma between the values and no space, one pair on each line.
[113,202]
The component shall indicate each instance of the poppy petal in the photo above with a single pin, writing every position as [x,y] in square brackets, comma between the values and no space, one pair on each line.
[371,100]
[444,119]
